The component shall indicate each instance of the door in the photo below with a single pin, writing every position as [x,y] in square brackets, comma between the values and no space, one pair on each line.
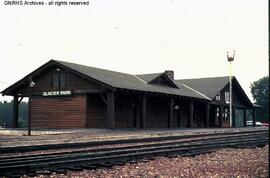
[239,118]
[176,118]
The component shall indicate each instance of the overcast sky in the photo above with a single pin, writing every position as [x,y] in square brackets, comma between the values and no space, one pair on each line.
[190,37]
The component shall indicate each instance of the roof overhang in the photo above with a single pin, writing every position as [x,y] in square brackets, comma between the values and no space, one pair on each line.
[11,89]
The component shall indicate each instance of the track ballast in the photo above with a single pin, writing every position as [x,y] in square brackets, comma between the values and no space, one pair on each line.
[124,152]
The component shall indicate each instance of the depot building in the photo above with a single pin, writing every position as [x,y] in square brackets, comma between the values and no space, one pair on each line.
[69,95]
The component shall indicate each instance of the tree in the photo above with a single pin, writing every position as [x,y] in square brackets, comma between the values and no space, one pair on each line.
[260,93]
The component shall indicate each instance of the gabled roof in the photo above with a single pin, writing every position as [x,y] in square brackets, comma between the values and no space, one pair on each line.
[207,86]
[148,77]
[152,78]
[210,87]
[128,81]
[111,79]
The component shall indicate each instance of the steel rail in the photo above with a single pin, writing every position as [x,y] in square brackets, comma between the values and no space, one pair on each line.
[123,154]
[179,142]
[28,148]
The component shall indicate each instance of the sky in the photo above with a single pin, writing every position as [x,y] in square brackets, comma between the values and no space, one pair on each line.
[190,37]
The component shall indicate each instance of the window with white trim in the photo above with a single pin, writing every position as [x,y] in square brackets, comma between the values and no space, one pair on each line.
[227,97]
[218,97]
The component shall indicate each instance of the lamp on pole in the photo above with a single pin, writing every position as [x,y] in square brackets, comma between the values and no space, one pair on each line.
[31,85]
[230,59]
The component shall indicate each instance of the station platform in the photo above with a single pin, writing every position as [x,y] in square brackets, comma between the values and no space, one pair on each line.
[18,137]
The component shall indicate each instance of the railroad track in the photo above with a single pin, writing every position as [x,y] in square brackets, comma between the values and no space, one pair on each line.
[119,155]
[28,148]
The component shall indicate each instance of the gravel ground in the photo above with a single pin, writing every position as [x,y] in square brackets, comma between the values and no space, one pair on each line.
[222,163]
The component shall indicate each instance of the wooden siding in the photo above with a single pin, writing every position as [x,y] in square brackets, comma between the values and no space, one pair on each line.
[96,113]
[180,118]
[125,112]
[183,109]
[213,119]
[43,82]
[199,115]
[238,99]
[176,118]
[157,113]
[59,112]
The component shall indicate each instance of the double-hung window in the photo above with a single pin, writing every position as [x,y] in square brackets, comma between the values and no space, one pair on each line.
[58,81]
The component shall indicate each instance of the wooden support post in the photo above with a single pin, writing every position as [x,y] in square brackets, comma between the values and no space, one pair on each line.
[191,114]
[110,110]
[143,112]
[245,117]
[254,117]
[137,115]
[233,116]
[29,116]
[207,110]
[171,104]
[15,112]
[216,118]
[221,113]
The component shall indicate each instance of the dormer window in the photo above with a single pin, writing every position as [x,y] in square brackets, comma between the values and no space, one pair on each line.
[218,97]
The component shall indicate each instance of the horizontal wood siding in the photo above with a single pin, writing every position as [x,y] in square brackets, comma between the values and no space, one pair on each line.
[157,113]
[59,112]
[96,116]
[124,112]
[176,118]
[199,115]
[183,115]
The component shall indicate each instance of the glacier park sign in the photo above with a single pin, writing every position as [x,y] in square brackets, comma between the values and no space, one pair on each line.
[57,93]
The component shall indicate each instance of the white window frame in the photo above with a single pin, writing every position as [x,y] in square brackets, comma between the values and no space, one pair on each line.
[218,97]
[227,96]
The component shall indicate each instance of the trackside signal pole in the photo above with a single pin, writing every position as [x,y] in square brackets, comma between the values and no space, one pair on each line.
[230,59]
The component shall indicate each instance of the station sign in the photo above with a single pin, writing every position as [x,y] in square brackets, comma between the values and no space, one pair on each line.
[57,93]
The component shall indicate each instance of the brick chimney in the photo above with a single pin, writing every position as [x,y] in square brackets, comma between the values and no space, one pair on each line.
[169,74]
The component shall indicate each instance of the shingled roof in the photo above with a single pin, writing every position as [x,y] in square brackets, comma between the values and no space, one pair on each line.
[148,77]
[113,79]
[129,81]
[207,86]
[210,87]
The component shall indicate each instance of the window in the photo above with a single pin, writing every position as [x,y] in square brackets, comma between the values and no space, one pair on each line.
[218,97]
[55,81]
[59,81]
[227,97]
[62,80]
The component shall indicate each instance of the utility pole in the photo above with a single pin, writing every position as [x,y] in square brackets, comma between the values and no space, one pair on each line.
[230,59]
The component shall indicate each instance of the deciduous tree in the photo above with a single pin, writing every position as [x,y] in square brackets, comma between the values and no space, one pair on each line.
[260,93]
